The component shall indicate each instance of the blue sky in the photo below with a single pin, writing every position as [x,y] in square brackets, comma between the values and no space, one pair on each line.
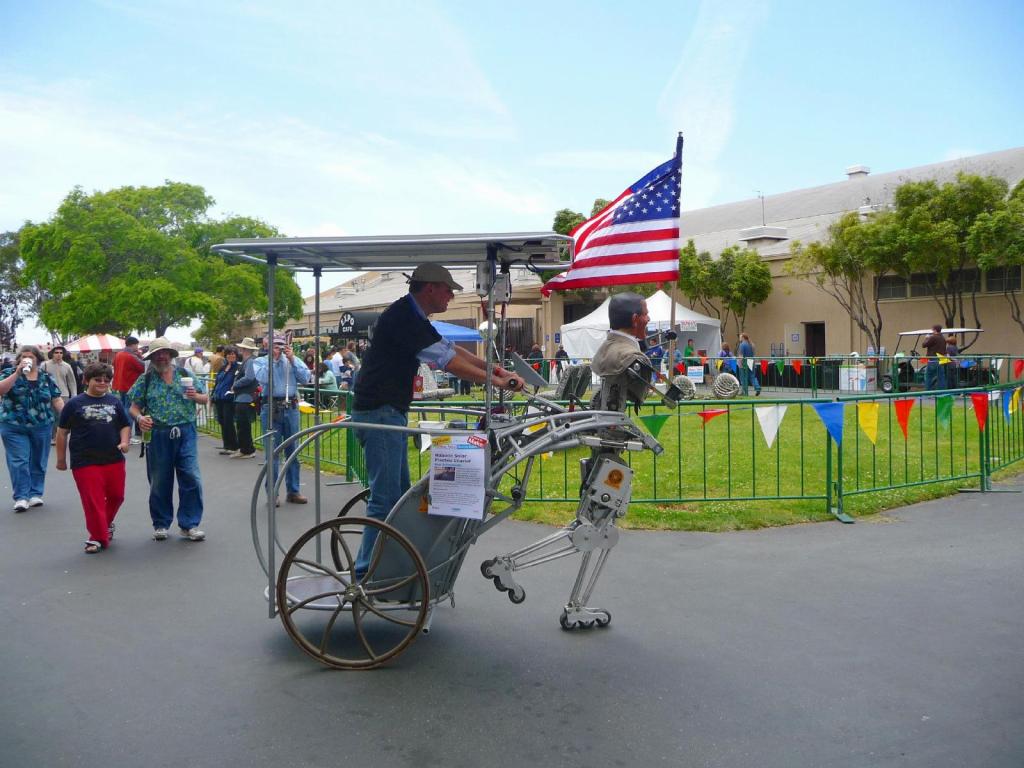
[356,118]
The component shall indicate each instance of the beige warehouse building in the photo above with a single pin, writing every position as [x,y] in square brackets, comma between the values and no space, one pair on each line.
[797,318]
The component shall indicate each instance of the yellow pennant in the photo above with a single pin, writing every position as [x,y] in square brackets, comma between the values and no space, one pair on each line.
[718,364]
[867,417]
[1015,400]
[943,359]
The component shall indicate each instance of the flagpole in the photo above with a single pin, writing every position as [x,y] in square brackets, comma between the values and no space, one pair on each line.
[672,311]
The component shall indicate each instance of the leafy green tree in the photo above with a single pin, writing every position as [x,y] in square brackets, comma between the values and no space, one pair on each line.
[996,240]
[566,220]
[15,298]
[932,227]
[599,205]
[726,287]
[844,266]
[136,259]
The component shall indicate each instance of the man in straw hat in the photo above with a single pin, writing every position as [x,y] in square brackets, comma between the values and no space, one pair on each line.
[63,374]
[164,404]
[402,339]
[245,388]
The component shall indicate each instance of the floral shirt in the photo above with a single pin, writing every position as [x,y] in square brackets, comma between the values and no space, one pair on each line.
[29,403]
[166,403]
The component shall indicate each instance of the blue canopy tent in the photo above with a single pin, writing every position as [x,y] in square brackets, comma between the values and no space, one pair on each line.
[454,332]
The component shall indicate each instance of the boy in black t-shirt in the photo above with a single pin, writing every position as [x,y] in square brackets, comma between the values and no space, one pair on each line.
[100,431]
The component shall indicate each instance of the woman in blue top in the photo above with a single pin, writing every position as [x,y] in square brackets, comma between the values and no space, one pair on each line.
[31,398]
[224,401]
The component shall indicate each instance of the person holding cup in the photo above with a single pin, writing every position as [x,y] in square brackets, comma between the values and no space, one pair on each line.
[29,399]
[163,401]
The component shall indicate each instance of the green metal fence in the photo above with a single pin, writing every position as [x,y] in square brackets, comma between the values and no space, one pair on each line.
[718,451]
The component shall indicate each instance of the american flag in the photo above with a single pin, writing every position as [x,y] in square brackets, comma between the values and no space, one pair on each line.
[634,239]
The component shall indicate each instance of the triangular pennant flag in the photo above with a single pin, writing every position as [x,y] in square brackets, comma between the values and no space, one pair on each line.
[1007,397]
[831,415]
[944,410]
[764,369]
[980,401]
[993,396]
[942,359]
[813,360]
[718,363]
[1015,400]
[780,366]
[999,363]
[1018,368]
[654,422]
[867,417]
[703,359]
[425,442]
[903,413]
[770,416]
[708,415]
[750,363]
[798,365]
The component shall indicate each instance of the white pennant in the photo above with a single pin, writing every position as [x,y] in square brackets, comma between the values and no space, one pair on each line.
[770,417]
[750,363]
[999,363]
[425,442]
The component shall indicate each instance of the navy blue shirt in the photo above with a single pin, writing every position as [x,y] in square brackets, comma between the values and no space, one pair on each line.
[95,424]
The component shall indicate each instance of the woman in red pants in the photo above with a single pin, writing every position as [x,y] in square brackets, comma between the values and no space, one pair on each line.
[100,431]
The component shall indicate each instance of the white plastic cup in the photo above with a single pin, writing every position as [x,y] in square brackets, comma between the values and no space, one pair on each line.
[186,382]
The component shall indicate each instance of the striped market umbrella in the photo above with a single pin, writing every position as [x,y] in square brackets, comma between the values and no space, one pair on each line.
[97,342]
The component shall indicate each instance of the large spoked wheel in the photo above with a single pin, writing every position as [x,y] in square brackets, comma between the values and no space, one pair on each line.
[354,507]
[346,619]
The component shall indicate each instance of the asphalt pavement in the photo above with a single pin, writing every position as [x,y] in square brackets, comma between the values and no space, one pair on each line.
[897,641]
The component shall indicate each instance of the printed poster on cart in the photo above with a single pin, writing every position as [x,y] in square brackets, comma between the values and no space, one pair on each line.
[458,469]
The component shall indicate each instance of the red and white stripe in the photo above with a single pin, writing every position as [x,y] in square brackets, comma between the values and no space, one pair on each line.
[97,342]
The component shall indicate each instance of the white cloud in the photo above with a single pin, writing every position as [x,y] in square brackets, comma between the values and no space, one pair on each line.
[700,97]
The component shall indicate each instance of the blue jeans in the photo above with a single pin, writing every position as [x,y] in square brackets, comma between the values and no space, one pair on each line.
[174,451]
[387,468]
[286,424]
[127,409]
[747,377]
[27,449]
[934,376]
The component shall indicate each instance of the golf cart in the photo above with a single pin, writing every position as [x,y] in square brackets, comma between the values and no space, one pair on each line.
[902,375]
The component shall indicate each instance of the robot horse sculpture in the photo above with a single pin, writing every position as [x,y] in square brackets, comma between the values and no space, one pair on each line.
[352,619]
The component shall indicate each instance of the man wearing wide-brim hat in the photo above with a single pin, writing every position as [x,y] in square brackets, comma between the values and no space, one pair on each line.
[166,411]
[402,339]
[245,387]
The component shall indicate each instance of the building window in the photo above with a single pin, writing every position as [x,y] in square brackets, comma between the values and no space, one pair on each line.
[1000,279]
[970,280]
[922,284]
[891,287]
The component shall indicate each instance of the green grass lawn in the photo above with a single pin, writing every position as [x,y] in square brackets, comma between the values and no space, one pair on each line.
[722,475]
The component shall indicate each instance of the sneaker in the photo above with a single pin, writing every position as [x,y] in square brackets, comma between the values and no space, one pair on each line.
[226,452]
[241,455]
[20,505]
[159,534]
[192,534]
[35,501]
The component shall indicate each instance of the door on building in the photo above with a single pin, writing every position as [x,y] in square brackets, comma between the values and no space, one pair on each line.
[814,339]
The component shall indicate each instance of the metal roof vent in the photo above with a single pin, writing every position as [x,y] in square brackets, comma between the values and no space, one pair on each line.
[857,171]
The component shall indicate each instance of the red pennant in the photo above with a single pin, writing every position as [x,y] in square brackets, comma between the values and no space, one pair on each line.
[703,359]
[1018,368]
[680,369]
[708,415]
[764,369]
[903,413]
[980,400]
[798,365]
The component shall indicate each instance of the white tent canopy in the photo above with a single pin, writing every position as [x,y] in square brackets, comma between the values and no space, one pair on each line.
[582,337]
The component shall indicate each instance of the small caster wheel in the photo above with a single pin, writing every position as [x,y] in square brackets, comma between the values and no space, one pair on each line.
[486,567]
[517,594]
[564,621]
[604,621]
